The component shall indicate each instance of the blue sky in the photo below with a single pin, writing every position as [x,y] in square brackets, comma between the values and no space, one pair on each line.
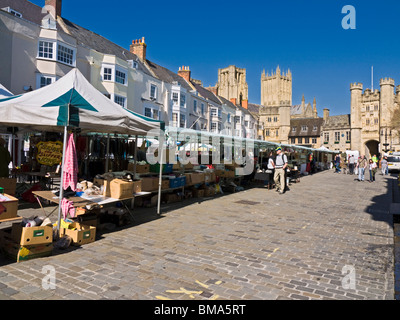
[305,36]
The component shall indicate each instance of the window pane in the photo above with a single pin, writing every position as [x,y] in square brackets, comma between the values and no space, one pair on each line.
[183,100]
[46,49]
[153,91]
[120,77]
[65,55]
[107,74]
[119,100]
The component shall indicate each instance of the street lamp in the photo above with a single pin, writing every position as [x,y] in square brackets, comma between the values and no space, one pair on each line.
[386,142]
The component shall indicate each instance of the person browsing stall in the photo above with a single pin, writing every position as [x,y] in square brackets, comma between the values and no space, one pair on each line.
[280,165]
[5,159]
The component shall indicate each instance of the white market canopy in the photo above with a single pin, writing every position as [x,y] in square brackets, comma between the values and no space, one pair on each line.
[4,93]
[46,109]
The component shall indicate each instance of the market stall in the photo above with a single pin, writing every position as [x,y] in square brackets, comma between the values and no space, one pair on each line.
[73,105]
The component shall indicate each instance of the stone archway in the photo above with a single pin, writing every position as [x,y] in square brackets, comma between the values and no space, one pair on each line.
[371,148]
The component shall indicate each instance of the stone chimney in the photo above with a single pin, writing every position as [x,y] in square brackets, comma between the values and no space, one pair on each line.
[185,73]
[326,114]
[138,47]
[54,7]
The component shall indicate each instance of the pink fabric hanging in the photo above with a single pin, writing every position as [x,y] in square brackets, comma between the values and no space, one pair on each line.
[70,178]
[67,207]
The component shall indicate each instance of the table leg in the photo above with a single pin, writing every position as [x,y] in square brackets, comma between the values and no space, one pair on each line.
[44,211]
[130,212]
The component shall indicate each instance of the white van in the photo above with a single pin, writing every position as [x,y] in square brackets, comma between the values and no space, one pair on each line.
[393,162]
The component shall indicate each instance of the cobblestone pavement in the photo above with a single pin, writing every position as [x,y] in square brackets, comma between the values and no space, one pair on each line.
[310,243]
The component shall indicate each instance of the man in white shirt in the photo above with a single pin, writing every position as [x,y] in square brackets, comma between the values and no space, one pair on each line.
[280,164]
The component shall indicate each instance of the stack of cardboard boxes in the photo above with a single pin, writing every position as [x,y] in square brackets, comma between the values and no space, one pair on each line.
[25,243]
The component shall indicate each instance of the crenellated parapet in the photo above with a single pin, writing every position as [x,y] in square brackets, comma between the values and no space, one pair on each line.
[356,86]
[387,82]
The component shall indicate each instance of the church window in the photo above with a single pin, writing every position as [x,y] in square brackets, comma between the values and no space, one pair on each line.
[269,119]
[367,108]
[367,122]
[275,119]
[376,121]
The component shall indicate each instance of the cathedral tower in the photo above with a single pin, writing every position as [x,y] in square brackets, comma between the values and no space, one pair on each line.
[232,85]
[276,89]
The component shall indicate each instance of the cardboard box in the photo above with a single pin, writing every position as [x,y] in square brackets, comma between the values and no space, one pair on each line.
[172,197]
[226,174]
[9,185]
[149,183]
[140,168]
[80,233]
[8,209]
[20,253]
[188,179]
[164,184]
[120,189]
[209,192]
[198,193]
[31,235]
[197,177]
[208,177]
[106,186]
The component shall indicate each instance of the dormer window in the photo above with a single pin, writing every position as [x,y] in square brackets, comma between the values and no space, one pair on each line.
[56,51]
[13,12]
[114,73]
[133,64]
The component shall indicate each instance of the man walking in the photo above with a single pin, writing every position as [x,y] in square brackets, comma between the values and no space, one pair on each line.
[362,165]
[280,164]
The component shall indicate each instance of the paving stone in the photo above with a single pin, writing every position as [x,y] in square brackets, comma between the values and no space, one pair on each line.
[289,247]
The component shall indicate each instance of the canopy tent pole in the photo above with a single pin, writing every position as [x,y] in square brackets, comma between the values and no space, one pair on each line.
[107,152]
[135,157]
[161,144]
[62,178]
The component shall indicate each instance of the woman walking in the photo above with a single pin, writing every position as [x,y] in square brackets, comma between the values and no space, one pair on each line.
[372,170]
